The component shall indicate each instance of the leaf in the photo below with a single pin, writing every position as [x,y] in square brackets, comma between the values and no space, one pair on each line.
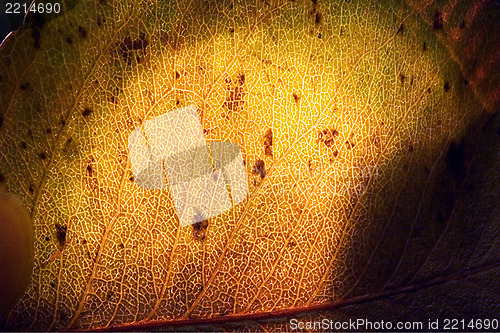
[356,198]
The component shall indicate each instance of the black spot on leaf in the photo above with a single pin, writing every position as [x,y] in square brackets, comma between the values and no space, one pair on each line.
[177,75]
[402,78]
[2,178]
[1,121]
[401,29]
[23,145]
[438,21]
[82,31]
[296,98]
[446,86]
[317,19]
[42,155]
[31,189]
[424,46]
[48,130]
[69,40]
[86,112]
[61,234]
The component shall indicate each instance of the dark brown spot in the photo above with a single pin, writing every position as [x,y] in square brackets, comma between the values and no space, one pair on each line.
[48,131]
[424,46]
[63,316]
[177,75]
[2,178]
[89,170]
[317,19]
[292,244]
[259,168]
[52,284]
[465,81]
[47,238]
[411,80]
[86,112]
[1,121]
[122,246]
[401,29]
[131,178]
[296,98]
[62,122]
[438,21]
[446,86]
[410,148]
[402,78]
[268,142]
[31,189]
[327,136]
[25,86]
[69,40]
[42,155]
[82,31]
[200,229]
[23,145]
[428,90]
[319,35]
[462,24]
[61,234]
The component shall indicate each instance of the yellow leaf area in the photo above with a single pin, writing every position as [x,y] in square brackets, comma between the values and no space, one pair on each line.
[361,114]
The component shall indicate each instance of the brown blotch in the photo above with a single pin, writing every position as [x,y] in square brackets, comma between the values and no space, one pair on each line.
[131,178]
[82,31]
[48,131]
[25,86]
[121,246]
[327,136]
[268,142]
[31,189]
[61,234]
[47,238]
[259,168]
[438,21]
[296,98]
[1,121]
[2,178]
[424,46]
[177,75]
[402,78]
[428,90]
[410,148]
[69,40]
[42,155]
[446,86]
[401,29]
[86,112]
[24,145]
[200,230]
